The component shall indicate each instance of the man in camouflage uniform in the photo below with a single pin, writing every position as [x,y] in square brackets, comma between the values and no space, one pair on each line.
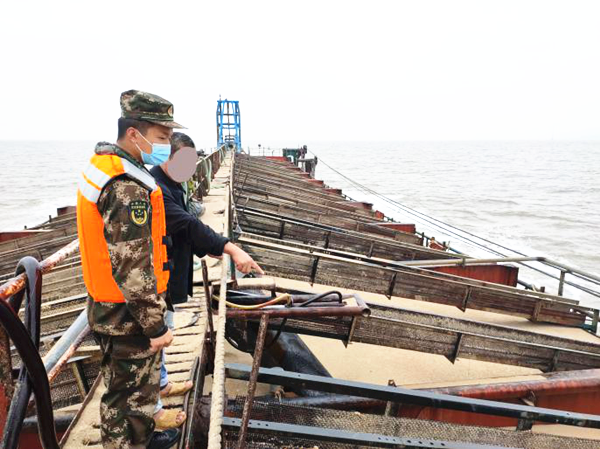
[132,333]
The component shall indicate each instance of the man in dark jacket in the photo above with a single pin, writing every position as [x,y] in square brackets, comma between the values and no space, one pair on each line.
[189,237]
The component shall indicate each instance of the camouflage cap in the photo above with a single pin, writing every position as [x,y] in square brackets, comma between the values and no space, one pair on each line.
[139,105]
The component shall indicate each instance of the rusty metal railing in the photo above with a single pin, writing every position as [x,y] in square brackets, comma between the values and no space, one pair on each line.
[16,284]
[206,168]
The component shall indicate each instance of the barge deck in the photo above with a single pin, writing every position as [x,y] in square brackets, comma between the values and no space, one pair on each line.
[407,356]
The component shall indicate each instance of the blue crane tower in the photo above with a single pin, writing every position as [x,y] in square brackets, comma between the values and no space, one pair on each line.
[229,131]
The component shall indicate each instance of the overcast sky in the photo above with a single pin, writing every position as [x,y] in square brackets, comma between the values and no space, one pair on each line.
[309,70]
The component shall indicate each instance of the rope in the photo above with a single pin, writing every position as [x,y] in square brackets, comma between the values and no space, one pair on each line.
[217,405]
[285,297]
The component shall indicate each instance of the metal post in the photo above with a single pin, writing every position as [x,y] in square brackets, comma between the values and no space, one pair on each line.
[391,408]
[561,282]
[79,375]
[260,344]
[208,296]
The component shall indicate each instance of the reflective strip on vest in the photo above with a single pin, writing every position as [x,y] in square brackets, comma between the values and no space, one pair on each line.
[99,179]
[96,175]
[89,191]
[139,174]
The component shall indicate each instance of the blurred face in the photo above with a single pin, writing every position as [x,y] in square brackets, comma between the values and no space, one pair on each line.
[182,165]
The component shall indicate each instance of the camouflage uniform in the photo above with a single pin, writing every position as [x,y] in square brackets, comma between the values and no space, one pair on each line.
[131,371]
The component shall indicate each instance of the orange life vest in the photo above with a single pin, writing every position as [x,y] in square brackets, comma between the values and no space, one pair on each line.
[97,268]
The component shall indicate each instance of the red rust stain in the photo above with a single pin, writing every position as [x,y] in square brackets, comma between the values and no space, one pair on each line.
[8,236]
[404,227]
[498,274]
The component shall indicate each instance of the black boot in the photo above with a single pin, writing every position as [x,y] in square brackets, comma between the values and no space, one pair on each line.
[164,439]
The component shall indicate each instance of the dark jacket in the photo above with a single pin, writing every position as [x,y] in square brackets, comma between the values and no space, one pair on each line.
[189,236]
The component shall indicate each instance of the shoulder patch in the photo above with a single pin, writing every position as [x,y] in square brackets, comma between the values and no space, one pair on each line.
[139,212]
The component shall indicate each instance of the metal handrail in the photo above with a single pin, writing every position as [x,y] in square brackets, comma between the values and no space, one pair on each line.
[212,162]
[17,283]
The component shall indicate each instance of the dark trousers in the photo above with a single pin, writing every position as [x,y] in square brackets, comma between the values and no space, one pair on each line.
[131,375]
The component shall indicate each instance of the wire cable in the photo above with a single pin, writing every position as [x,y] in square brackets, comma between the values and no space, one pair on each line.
[444,227]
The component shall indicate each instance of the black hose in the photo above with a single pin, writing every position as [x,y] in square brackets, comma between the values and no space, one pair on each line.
[321,296]
[32,375]
[304,304]
[279,331]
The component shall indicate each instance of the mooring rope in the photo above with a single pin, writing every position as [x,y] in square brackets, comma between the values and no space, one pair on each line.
[217,404]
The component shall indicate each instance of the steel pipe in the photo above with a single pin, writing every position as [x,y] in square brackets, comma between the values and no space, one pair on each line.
[65,342]
[64,358]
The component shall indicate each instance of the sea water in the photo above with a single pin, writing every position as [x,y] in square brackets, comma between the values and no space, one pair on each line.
[536,198]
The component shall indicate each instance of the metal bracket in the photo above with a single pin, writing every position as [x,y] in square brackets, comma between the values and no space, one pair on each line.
[536,311]
[370,253]
[466,299]
[313,271]
[348,339]
[457,348]
[524,424]
[392,408]
[281,230]
[327,236]
[554,363]
[79,374]
[390,291]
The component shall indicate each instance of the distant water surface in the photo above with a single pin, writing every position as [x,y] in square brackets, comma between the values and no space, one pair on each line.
[539,198]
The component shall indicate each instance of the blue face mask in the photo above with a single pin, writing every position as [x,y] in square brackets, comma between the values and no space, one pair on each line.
[160,153]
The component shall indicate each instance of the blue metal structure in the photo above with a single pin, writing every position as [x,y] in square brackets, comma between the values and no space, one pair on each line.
[229,131]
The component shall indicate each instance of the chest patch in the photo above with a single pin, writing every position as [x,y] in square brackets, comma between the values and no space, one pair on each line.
[139,212]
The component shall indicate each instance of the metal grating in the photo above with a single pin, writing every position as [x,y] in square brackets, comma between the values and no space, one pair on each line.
[376,424]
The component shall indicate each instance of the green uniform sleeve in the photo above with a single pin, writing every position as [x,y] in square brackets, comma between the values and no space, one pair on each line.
[126,211]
